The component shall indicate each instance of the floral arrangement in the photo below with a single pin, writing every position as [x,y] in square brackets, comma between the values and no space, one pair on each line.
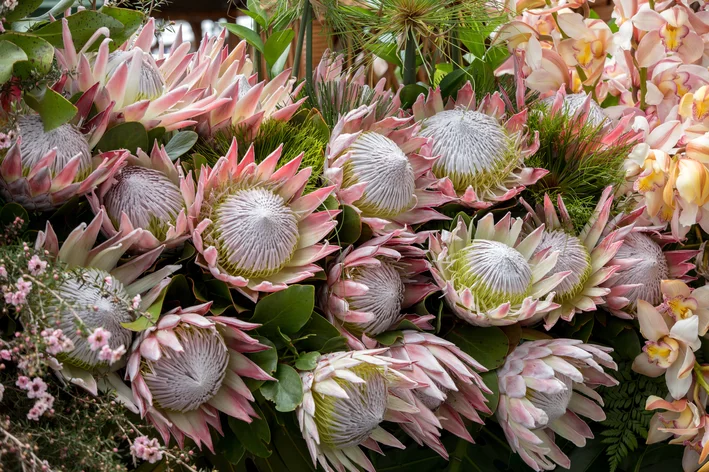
[493,259]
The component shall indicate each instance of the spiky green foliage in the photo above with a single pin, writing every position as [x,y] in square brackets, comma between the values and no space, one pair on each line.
[627,420]
[334,100]
[579,165]
[306,136]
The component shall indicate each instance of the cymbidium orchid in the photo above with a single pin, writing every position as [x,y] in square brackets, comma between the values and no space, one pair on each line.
[345,399]
[188,368]
[544,386]
[450,388]
[672,330]
[99,293]
[252,226]
[586,256]
[490,277]
[383,169]
[587,44]
[368,286]
[694,110]
[668,32]
[147,193]
[482,147]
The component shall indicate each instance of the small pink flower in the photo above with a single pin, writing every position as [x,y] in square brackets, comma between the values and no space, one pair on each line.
[108,280]
[10,4]
[5,141]
[36,388]
[22,382]
[98,338]
[34,414]
[146,449]
[5,355]
[36,265]
[23,286]
[110,355]
[3,272]
[135,303]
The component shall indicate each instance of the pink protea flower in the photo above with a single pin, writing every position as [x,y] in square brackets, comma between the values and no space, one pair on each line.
[481,150]
[345,399]
[579,106]
[489,277]
[96,303]
[450,388]
[147,193]
[156,93]
[188,368]
[644,264]
[586,256]
[42,170]
[369,286]
[252,226]
[383,169]
[544,385]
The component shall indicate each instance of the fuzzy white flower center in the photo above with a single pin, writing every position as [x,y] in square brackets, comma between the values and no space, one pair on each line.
[428,401]
[183,381]
[384,298]
[147,196]
[68,141]
[554,404]
[649,271]
[244,85]
[257,232]
[475,149]
[378,161]
[347,422]
[494,272]
[150,84]
[99,305]
[572,257]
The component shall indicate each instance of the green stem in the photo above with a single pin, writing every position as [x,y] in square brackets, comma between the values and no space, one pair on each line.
[456,460]
[410,60]
[301,36]
[652,4]
[257,56]
[700,376]
[643,86]
[455,49]
[309,46]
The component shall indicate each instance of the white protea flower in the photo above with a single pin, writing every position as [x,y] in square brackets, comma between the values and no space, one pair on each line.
[450,388]
[146,194]
[586,256]
[99,293]
[369,286]
[481,151]
[345,399]
[383,169]
[252,226]
[489,277]
[544,385]
[189,367]
[579,106]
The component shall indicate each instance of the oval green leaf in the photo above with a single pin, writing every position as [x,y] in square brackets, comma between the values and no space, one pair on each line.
[287,310]
[130,136]
[287,391]
[488,346]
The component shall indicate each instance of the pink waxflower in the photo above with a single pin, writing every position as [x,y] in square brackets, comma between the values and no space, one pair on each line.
[146,449]
[36,388]
[23,286]
[22,382]
[108,280]
[36,265]
[5,355]
[98,338]
[34,414]
[111,355]
[135,303]
[5,141]
[3,272]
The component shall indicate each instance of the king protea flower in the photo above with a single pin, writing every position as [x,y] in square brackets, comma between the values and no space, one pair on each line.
[489,277]
[42,170]
[579,106]
[188,368]
[146,194]
[345,399]
[156,93]
[644,264]
[449,388]
[369,286]
[672,330]
[586,256]
[100,293]
[383,169]
[544,385]
[481,149]
[252,226]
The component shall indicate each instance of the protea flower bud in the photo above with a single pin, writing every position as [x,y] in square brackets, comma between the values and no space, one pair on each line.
[99,292]
[579,106]
[587,256]
[345,399]
[146,194]
[481,157]
[252,226]
[644,264]
[188,368]
[449,388]
[489,278]
[383,169]
[150,83]
[42,170]
[544,385]
[369,286]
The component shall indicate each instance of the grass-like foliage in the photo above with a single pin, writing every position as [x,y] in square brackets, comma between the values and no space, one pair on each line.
[580,166]
[334,99]
[308,135]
